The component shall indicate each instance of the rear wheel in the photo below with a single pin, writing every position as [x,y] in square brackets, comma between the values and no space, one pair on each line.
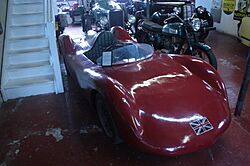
[106,120]
[206,55]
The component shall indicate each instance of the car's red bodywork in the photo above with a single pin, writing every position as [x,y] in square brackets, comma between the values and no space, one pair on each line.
[155,100]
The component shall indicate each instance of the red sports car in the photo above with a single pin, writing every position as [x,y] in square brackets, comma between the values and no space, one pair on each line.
[159,103]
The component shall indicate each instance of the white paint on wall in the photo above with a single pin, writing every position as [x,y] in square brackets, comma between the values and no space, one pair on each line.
[227,24]
[205,3]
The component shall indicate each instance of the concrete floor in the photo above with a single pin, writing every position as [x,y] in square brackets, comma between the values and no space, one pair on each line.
[63,129]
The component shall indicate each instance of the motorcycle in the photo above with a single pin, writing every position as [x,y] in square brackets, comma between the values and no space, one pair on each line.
[176,36]
[159,9]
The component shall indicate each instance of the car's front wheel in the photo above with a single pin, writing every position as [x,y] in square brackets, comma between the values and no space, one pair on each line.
[106,119]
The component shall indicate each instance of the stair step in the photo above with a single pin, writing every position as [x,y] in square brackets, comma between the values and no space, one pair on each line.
[30,57]
[20,2]
[20,20]
[28,64]
[28,87]
[28,50]
[27,13]
[29,81]
[28,44]
[37,36]
[21,31]
[18,73]
[27,8]
[24,3]
[28,25]
[27,32]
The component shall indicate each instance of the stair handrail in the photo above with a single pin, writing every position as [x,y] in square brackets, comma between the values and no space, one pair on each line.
[2,64]
[50,32]
[49,10]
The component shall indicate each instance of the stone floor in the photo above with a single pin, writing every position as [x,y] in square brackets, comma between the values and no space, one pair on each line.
[63,129]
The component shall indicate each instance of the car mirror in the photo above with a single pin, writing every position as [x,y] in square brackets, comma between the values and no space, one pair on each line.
[106,58]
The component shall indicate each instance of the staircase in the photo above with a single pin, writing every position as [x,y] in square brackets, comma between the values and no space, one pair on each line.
[30,62]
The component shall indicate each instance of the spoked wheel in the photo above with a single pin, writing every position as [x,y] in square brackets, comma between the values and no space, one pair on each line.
[106,120]
[206,55]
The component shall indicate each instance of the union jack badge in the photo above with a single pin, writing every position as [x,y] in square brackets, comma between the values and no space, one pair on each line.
[201,126]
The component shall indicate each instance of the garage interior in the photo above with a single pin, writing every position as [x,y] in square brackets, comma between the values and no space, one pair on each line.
[63,128]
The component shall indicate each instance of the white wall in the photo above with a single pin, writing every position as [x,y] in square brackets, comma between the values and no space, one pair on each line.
[227,24]
[205,3]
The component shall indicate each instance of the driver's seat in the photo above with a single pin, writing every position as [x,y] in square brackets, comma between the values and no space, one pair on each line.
[102,42]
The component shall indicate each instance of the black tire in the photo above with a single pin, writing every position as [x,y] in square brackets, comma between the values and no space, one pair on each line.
[106,120]
[206,55]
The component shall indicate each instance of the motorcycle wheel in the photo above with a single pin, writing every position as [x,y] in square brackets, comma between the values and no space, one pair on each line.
[206,55]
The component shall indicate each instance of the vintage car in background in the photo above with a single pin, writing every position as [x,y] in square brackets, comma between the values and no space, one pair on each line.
[76,13]
[65,5]
[159,103]
[107,14]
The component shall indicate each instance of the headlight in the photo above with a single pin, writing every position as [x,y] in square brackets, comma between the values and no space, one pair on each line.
[104,20]
[201,9]
[131,19]
[196,24]
[177,10]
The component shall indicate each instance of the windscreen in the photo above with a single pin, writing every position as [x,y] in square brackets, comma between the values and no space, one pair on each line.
[129,53]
